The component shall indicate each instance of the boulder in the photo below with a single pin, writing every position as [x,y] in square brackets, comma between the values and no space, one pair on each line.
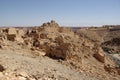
[43,35]
[99,55]
[1,68]
[12,31]
[11,34]
[20,32]
[19,39]
[1,74]
[22,78]
[118,71]
[37,53]
[58,52]
[23,74]
[88,43]
[32,33]
[36,43]
[0,46]
[11,37]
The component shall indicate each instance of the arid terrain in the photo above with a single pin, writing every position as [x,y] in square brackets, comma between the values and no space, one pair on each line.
[52,52]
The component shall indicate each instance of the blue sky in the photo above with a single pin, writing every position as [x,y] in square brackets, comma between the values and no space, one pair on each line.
[65,12]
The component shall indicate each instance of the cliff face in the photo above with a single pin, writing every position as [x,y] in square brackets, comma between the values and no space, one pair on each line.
[53,52]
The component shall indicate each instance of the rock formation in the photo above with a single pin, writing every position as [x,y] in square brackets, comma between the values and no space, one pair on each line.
[50,51]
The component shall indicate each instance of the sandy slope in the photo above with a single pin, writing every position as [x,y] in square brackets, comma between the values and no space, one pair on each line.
[38,67]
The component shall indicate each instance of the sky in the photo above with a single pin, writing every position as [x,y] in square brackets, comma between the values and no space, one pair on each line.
[64,12]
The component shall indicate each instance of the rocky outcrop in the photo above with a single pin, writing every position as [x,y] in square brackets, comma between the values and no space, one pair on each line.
[59,52]
[15,35]
[80,51]
[20,34]
[11,31]
[50,27]
[11,34]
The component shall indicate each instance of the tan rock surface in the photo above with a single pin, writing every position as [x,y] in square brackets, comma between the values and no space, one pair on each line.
[51,52]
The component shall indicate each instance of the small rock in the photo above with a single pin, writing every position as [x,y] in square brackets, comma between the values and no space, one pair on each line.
[24,74]
[22,78]
[1,74]
[1,68]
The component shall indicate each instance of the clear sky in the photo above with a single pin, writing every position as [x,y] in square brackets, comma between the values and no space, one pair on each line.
[65,12]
